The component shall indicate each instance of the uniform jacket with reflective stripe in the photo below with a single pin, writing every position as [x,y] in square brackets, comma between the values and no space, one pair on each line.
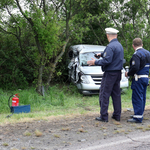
[138,63]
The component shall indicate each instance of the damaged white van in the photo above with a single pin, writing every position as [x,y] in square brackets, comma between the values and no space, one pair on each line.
[88,78]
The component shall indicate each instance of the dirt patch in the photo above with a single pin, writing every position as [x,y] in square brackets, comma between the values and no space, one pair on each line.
[66,132]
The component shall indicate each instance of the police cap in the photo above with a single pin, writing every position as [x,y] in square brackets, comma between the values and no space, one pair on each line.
[111,31]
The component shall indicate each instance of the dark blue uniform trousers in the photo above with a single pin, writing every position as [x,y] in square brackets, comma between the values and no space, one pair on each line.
[110,86]
[139,97]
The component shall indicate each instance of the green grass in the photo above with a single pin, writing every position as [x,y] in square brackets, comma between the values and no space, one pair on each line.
[59,100]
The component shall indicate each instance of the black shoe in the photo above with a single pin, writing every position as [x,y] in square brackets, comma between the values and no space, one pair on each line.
[133,121]
[131,116]
[100,119]
[115,118]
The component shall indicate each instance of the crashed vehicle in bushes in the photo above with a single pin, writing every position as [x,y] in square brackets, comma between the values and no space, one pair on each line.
[88,78]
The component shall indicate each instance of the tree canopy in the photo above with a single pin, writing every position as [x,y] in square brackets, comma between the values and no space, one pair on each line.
[36,34]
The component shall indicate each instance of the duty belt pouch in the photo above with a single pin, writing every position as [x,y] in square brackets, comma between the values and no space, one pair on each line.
[136,77]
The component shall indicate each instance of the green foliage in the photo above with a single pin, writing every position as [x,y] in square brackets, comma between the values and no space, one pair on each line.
[12,74]
[59,100]
[32,40]
[56,96]
[90,23]
[48,32]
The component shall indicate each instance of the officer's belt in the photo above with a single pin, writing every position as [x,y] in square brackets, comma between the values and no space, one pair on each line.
[140,76]
[147,65]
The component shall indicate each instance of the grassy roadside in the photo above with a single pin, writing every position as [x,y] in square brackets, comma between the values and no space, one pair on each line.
[58,101]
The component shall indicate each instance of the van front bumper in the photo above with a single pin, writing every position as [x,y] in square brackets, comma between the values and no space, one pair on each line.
[90,89]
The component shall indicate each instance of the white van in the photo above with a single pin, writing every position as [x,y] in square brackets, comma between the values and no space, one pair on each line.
[88,78]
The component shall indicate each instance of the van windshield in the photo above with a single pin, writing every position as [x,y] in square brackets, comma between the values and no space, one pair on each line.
[84,57]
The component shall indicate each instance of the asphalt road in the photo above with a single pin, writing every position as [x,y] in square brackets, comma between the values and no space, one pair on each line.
[134,141]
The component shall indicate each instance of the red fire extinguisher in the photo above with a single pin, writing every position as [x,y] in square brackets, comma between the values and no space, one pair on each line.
[15,100]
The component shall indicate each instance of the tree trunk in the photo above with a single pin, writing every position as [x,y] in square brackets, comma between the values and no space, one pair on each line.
[40,80]
[55,63]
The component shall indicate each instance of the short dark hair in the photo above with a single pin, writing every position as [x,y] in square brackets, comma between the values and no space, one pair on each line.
[137,42]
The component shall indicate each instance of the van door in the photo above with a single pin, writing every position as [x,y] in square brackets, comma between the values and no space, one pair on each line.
[73,70]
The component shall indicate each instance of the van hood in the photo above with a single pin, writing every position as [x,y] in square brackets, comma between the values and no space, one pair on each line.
[92,70]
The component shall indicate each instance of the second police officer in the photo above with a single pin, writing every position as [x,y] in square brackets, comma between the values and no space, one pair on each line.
[139,69]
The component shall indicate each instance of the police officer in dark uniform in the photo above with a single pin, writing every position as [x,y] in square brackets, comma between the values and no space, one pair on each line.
[139,69]
[112,64]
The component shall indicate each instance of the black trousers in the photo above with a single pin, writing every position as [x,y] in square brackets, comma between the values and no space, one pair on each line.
[110,86]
